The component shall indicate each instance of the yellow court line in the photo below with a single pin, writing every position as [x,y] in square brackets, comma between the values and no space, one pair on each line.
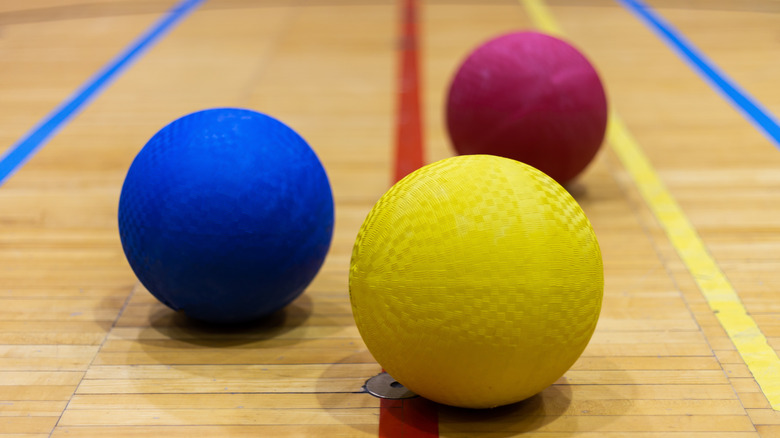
[760,357]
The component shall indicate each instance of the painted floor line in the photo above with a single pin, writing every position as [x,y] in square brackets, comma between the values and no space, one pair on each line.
[752,345]
[761,118]
[21,151]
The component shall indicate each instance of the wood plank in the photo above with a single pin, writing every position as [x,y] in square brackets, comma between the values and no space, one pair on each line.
[610,434]
[205,334]
[220,401]
[36,392]
[610,423]
[46,357]
[216,356]
[183,417]
[32,408]
[56,378]
[240,431]
[195,346]
[647,363]
[659,363]
[124,386]
[48,338]
[765,416]
[768,430]
[27,425]
[754,400]
[230,372]
[654,392]
[645,377]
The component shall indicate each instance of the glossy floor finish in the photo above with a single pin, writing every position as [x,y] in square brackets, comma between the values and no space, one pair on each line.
[85,351]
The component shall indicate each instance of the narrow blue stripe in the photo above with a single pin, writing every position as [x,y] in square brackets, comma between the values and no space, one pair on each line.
[23,149]
[749,107]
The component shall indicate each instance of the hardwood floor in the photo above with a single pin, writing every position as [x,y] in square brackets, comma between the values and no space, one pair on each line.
[86,351]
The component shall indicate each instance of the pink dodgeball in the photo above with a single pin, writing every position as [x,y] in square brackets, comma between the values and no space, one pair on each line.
[530,97]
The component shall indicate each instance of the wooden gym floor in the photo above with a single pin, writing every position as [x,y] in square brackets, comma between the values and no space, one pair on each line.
[85,351]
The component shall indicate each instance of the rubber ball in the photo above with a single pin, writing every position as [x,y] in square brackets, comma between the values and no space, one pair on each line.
[226,214]
[476,281]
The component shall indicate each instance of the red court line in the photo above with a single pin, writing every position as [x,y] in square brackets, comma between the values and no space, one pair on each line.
[409,146]
[415,417]
[408,418]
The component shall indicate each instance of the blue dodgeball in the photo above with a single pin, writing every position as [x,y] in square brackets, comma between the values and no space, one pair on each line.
[226,214]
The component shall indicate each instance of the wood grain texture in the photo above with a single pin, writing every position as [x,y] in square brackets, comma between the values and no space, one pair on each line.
[85,351]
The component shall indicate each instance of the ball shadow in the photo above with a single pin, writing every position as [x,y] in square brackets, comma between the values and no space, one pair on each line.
[528,415]
[170,325]
[525,416]
[577,190]
[341,386]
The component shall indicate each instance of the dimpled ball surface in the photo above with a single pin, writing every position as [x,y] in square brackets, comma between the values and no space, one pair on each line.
[530,97]
[226,214]
[476,281]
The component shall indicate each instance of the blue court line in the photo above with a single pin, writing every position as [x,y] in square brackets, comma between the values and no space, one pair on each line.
[25,147]
[746,104]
